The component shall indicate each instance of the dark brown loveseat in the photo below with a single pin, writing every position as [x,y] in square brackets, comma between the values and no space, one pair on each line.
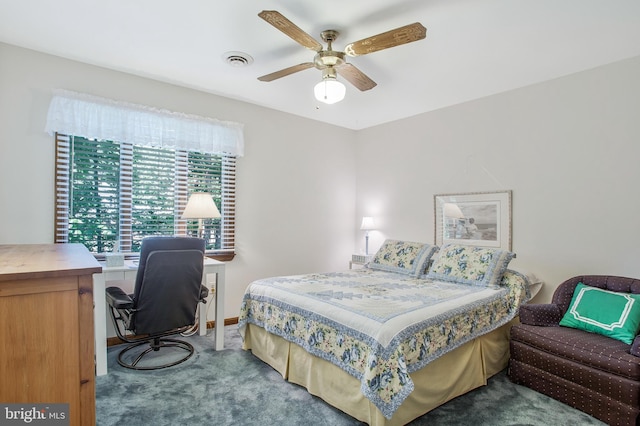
[593,373]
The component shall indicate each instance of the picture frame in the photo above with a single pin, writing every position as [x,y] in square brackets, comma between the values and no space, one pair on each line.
[476,218]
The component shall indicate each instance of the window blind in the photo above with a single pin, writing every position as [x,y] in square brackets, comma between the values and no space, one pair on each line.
[110,195]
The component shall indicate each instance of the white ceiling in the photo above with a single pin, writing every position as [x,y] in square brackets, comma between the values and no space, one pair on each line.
[473,48]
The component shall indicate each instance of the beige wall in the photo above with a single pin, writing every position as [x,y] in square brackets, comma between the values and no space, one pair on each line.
[295,185]
[569,150]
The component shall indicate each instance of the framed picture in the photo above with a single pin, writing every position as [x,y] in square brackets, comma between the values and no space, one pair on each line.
[476,219]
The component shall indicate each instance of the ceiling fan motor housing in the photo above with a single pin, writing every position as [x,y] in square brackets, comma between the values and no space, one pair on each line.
[328,58]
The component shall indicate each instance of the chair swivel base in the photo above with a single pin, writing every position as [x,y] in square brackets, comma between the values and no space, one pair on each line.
[155,346]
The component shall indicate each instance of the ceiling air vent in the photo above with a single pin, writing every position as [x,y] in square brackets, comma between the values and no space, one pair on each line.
[237,59]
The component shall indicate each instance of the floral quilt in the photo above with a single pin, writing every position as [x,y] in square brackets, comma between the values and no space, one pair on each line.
[379,326]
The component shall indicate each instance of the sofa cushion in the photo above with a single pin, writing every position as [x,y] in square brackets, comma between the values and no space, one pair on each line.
[612,314]
[585,348]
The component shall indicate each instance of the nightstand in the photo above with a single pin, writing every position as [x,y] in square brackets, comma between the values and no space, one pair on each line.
[360,259]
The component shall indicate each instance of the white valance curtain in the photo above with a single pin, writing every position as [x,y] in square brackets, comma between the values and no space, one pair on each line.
[90,116]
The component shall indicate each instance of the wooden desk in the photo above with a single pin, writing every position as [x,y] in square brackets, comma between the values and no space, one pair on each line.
[46,317]
[128,272]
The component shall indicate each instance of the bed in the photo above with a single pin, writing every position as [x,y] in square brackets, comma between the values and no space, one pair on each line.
[389,342]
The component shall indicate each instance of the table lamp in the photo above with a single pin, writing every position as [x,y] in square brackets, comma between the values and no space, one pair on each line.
[200,206]
[367,225]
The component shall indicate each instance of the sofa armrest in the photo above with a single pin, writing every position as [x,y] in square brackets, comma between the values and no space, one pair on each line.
[545,315]
[635,347]
[118,298]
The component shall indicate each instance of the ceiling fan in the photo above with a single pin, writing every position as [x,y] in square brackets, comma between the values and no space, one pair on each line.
[332,62]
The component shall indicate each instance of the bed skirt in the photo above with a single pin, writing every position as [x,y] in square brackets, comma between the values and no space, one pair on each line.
[455,373]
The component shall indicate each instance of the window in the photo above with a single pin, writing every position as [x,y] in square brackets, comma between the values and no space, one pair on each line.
[110,195]
[131,173]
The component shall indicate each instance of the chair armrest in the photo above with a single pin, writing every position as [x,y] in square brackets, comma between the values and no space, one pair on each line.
[118,299]
[545,315]
[204,293]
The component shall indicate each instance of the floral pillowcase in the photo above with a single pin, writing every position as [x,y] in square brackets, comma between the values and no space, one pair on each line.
[403,257]
[479,266]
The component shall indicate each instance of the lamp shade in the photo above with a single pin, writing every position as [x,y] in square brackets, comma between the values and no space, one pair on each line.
[200,206]
[367,224]
[329,91]
[452,210]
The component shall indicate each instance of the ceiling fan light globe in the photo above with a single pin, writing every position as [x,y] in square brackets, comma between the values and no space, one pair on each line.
[329,91]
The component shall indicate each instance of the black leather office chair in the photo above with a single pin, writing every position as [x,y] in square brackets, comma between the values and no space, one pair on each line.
[166,295]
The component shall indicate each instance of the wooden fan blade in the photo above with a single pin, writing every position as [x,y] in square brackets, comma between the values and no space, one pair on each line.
[356,77]
[287,71]
[276,19]
[402,35]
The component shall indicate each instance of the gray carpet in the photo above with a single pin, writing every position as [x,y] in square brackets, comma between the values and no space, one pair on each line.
[232,387]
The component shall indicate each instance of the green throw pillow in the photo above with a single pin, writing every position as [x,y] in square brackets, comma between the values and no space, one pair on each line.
[616,315]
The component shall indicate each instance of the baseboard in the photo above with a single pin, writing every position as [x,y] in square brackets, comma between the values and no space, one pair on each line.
[112,341]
